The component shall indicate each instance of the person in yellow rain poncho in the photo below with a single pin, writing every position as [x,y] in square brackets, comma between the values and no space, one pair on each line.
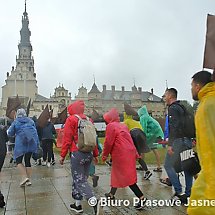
[139,139]
[202,199]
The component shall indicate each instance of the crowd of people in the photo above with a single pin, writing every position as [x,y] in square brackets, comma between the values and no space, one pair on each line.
[125,144]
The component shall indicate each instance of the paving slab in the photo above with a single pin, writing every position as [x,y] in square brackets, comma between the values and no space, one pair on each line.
[50,193]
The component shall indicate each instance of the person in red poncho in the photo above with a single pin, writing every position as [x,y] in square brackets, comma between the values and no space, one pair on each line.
[80,161]
[118,143]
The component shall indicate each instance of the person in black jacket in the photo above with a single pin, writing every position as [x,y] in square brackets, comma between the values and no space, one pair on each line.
[3,151]
[176,141]
[47,135]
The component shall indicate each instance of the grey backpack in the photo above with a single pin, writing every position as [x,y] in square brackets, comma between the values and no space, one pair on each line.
[86,135]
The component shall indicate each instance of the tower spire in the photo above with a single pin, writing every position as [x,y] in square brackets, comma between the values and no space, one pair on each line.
[166,85]
[25,12]
[25,6]
[25,34]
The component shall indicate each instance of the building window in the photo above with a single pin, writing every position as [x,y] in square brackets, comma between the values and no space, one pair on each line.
[50,107]
[42,107]
[62,94]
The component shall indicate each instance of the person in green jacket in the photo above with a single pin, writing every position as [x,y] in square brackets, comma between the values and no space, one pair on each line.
[153,132]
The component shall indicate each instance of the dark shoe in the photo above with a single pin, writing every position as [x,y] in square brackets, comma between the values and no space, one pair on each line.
[97,207]
[157,169]
[77,209]
[53,162]
[11,160]
[95,180]
[166,181]
[141,204]
[181,196]
[139,168]
[147,175]
[2,202]
[108,163]
[109,196]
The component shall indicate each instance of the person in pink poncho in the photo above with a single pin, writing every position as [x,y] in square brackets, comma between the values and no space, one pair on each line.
[118,143]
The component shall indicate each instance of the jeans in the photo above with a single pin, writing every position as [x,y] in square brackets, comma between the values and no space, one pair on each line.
[168,165]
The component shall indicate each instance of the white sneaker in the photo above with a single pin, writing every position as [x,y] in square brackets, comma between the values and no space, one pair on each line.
[44,163]
[28,183]
[48,164]
[35,163]
[23,182]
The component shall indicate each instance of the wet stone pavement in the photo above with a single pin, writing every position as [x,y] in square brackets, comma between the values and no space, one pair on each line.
[50,193]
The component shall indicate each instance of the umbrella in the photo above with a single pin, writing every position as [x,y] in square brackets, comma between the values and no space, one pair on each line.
[12,105]
[44,117]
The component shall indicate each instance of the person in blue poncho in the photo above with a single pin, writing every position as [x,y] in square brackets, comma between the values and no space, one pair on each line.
[26,143]
[153,131]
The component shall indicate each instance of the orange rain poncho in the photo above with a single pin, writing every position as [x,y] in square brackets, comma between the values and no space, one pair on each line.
[203,190]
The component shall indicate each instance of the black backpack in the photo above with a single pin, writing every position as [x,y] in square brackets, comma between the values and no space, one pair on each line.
[189,129]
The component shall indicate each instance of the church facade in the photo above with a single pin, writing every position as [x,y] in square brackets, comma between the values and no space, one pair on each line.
[22,81]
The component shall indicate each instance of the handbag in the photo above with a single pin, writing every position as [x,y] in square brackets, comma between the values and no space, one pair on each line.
[176,162]
[190,161]
[186,159]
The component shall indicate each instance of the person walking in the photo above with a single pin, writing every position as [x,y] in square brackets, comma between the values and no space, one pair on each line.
[48,134]
[118,143]
[176,141]
[203,90]
[80,161]
[139,140]
[153,132]
[26,143]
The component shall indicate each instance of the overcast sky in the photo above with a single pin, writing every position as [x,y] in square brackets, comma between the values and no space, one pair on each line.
[117,41]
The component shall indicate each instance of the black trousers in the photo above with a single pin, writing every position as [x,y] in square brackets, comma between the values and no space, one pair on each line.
[2,158]
[136,190]
[143,164]
[27,158]
[47,146]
